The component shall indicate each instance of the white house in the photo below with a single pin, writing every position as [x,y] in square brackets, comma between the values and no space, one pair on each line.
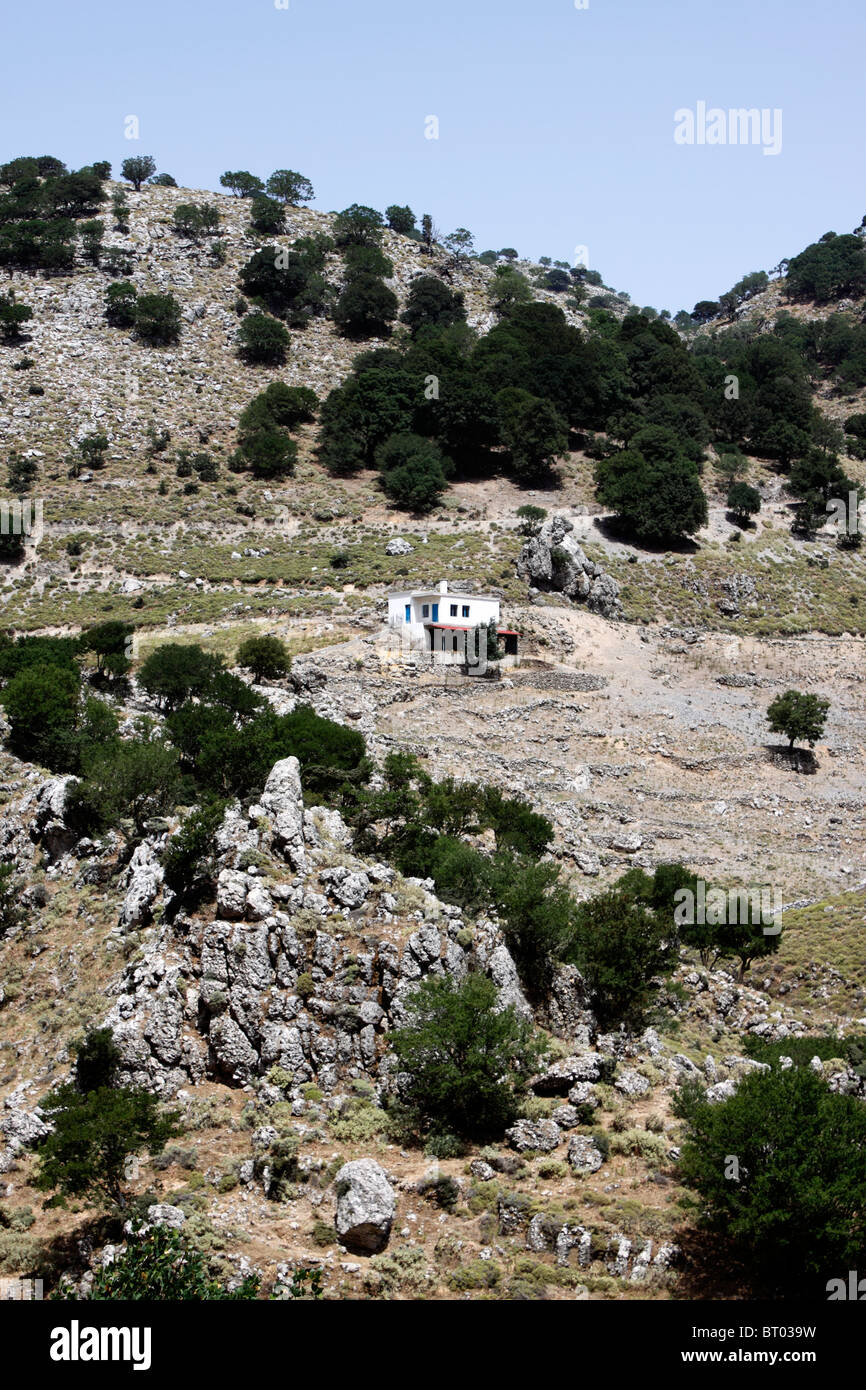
[438,620]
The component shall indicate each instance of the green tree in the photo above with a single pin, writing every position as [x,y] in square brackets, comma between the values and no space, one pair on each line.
[189,858]
[358,225]
[266,657]
[269,453]
[622,947]
[242,183]
[94,1135]
[164,181]
[108,641]
[532,430]
[401,219]
[414,471]
[467,1067]
[138,168]
[176,672]
[130,779]
[798,716]
[659,501]
[262,340]
[92,233]
[366,308]
[744,501]
[266,214]
[21,474]
[432,305]
[531,518]
[158,318]
[121,299]
[12,316]
[793,1208]
[120,209]
[291,187]
[42,707]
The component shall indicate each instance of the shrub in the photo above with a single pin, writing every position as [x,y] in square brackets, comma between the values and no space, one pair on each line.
[266,657]
[401,219]
[42,707]
[121,299]
[358,226]
[795,1209]
[262,339]
[620,947]
[174,672]
[366,308]
[158,318]
[266,214]
[190,855]
[467,1067]
[414,471]
[160,1265]
[132,779]
[744,501]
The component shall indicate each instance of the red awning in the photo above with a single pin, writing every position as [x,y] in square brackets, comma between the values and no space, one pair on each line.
[507,632]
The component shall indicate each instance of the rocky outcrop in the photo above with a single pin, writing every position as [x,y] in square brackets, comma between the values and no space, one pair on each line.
[552,560]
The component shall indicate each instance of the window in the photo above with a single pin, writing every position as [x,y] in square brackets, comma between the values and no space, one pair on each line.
[466,610]
[454,610]
[425,610]
[408,612]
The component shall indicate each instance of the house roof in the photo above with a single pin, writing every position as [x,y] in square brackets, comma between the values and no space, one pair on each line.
[451,595]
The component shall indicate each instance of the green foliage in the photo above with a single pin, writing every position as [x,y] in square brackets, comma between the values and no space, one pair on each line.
[292,187]
[175,672]
[190,855]
[195,220]
[366,308]
[658,498]
[262,340]
[12,317]
[137,169]
[795,1211]
[828,269]
[97,1060]
[401,219]
[744,501]
[42,707]
[95,1133]
[798,716]
[121,299]
[414,471]
[621,946]
[466,1066]
[158,318]
[266,657]
[532,430]
[532,518]
[160,1265]
[266,214]
[358,226]
[242,183]
[128,779]
[109,642]
[432,305]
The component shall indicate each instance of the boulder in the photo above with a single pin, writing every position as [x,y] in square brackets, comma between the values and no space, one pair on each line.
[553,560]
[366,1205]
[144,880]
[537,1135]
[584,1155]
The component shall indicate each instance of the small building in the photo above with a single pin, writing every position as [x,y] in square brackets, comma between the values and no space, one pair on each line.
[441,621]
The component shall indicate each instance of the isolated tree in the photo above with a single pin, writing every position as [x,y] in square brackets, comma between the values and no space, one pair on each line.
[466,1062]
[242,183]
[164,181]
[744,501]
[138,168]
[460,244]
[798,716]
[95,1133]
[266,657]
[262,340]
[290,187]
[779,1172]
[401,219]
[428,233]
[120,209]
[176,671]
[158,318]
[705,309]
[269,453]
[658,500]
[531,518]
[12,316]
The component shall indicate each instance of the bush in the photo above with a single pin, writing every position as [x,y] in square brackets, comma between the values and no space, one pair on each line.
[358,226]
[160,1265]
[794,1209]
[158,318]
[467,1067]
[121,299]
[414,471]
[266,657]
[432,305]
[266,214]
[659,500]
[174,672]
[42,706]
[366,308]
[129,779]
[743,501]
[262,339]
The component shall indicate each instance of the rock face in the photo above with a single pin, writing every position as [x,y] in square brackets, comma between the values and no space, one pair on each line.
[144,879]
[553,560]
[365,1206]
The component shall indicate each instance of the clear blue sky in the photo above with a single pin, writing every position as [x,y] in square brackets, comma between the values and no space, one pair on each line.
[556,124]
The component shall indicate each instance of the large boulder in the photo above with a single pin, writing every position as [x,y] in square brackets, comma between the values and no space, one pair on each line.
[365,1206]
[143,882]
[48,825]
[553,560]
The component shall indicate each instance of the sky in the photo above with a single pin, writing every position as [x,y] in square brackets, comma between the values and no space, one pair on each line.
[556,124]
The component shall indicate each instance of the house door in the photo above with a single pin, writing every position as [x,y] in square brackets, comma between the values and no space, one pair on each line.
[435,612]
